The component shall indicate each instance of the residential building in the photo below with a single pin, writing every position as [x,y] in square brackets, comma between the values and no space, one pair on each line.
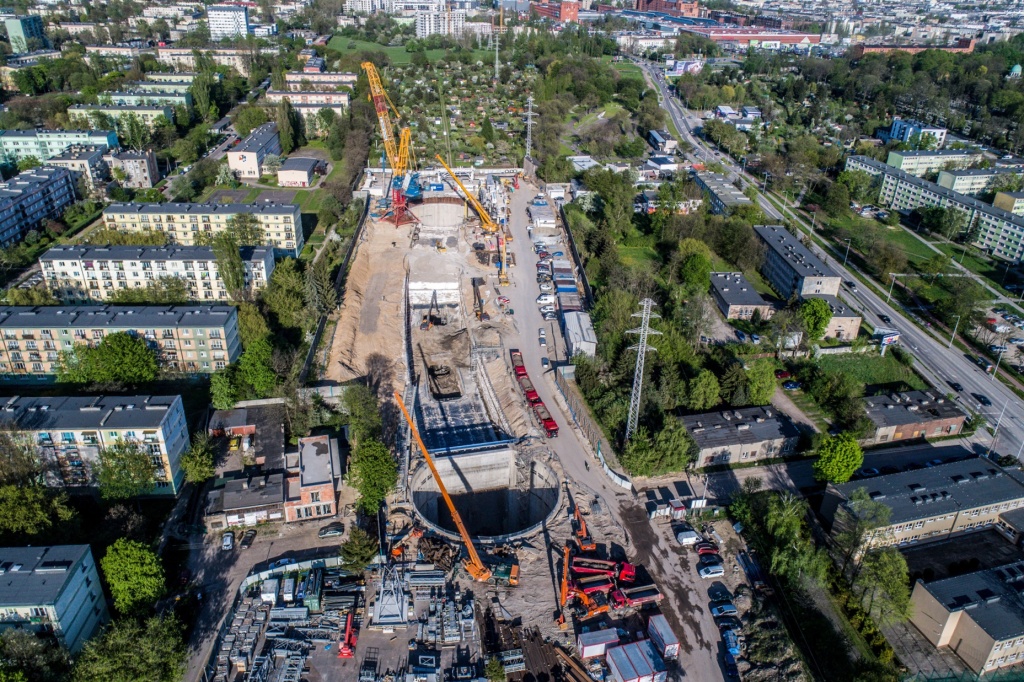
[650,201]
[335,99]
[53,589]
[1012,202]
[138,169]
[176,77]
[25,33]
[962,45]
[80,274]
[299,81]
[227,21]
[309,114]
[921,162]
[170,12]
[122,52]
[282,223]
[84,163]
[736,298]
[665,165]
[147,97]
[310,493]
[187,338]
[973,180]
[440,22]
[844,323]
[905,129]
[912,414]
[88,114]
[31,197]
[246,501]
[246,160]
[997,231]
[722,195]
[790,267]
[662,141]
[567,11]
[184,57]
[43,145]
[314,65]
[932,503]
[68,434]
[736,436]
[297,172]
[676,8]
[743,38]
[979,616]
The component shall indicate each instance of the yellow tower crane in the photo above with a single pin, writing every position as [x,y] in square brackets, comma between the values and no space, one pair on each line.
[398,155]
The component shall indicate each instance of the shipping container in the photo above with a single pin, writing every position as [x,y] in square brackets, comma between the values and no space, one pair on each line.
[636,663]
[595,643]
[651,657]
[288,591]
[664,640]
[268,591]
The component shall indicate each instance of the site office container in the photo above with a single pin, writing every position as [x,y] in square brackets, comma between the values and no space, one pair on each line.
[269,589]
[662,637]
[596,642]
[636,662]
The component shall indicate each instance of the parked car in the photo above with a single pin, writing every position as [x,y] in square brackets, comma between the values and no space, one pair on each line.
[331,530]
[227,542]
[791,385]
[543,342]
[235,443]
[755,339]
[741,336]
[550,316]
[707,550]
[710,560]
[687,537]
[545,299]
[547,309]
[544,286]
[542,332]
[247,539]
[558,254]
[782,374]
[730,623]
[545,363]
[724,610]
[708,572]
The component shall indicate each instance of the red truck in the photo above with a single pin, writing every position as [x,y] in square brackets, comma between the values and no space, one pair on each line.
[529,390]
[592,584]
[636,596]
[550,427]
[624,572]
[517,363]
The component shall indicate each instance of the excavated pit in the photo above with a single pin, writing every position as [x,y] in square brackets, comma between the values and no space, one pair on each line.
[499,494]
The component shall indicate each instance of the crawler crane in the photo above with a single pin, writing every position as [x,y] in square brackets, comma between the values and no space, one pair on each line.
[404,184]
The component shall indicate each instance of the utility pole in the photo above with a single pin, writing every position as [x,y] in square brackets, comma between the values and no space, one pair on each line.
[529,127]
[641,350]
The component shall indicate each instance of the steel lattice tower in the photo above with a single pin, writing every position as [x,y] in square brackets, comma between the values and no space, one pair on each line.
[641,351]
[529,127]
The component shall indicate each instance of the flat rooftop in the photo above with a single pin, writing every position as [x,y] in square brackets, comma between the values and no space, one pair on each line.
[910,407]
[32,576]
[746,425]
[249,493]
[799,257]
[839,309]
[260,208]
[318,460]
[937,152]
[940,490]
[992,598]
[300,164]
[114,316]
[86,412]
[734,289]
[134,254]
[724,190]
[258,138]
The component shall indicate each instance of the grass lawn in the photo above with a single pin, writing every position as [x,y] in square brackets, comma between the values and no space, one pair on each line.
[396,53]
[864,231]
[809,408]
[877,373]
[640,257]
[977,263]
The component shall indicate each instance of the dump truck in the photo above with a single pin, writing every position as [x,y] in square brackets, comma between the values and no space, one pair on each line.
[636,596]
[517,363]
[528,390]
[623,572]
[546,420]
[593,584]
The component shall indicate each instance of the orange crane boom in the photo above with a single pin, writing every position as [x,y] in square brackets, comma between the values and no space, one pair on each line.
[486,222]
[473,565]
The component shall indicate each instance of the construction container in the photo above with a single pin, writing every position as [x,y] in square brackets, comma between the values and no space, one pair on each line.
[288,591]
[595,643]
[268,591]
[665,641]
[678,509]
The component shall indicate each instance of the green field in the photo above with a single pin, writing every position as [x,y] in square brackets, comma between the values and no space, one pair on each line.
[396,53]
[877,373]
[640,257]
[864,231]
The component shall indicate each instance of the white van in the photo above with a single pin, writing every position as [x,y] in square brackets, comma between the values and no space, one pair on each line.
[545,299]
[688,538]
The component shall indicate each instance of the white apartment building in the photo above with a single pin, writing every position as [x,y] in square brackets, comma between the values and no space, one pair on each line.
[227,21]
[246,160]
[82,274]
[299,81]
[69,432]
[182,223]
[440,22]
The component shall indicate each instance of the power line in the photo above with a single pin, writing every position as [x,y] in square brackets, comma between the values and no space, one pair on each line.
[641,351]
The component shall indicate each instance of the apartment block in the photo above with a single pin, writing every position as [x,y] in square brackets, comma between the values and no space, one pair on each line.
[311,493]
[31,197]
[979,616]
[182,223]
[999,232]
[932,503]
[318,97]
[912,414]
[922,162]
[190,339]
[184,58]
[973,180]
[84,162]
[147,98]
[16,145]
[308,111]
[736,298]
[440,22]
[1012,202]
[227,21]
[21,31]
[299,81]
[158,86]
[722,195]
[53,589]
[790,267]
[87,114]
[246,160]
[741,435]
[904,129]
[139,168]
[81,274]
[68,434]
[177,77]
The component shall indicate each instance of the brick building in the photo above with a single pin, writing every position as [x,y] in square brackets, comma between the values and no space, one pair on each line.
[913,414]
[673,7]
[310,493]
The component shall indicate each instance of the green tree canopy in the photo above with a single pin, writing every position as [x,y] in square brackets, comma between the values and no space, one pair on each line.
[703,391]
[255,370]
[837,200]
[120,358]
[358,551]
[223,391]
[124,470]
[198,461]
[374,473]
[838,457]
[130,651]
[760,382]
[815,314]
[135,576]
[30,510]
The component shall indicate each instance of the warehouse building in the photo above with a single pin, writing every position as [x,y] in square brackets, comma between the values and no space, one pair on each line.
[736,298]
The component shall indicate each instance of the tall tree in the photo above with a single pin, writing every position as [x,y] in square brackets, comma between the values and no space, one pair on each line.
[30,510]
[760,382]
[374,474]
[133,131]
[229,264]
[358,551]
[198,461]
[130,651]
[124,470]
[120,358]
[255,368]
[247,230]
[884,585]
[284,294]
[816,314]
[703,391]
[838,457]
[285,126]
[135,576]
[320,293]
[252,326]
[857,520]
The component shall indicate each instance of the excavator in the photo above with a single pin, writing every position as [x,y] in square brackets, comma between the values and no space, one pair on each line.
[404,183]
[504,572]
[581,535]
[586,606]
[431,319]
[487,224]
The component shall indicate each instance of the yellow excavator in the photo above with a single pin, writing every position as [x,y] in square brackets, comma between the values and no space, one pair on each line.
[487,223]
[503,573]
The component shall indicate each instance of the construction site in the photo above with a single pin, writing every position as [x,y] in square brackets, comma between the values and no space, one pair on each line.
[490,550]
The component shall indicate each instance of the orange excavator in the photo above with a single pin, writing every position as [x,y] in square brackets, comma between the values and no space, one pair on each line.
[586,606]
[505,572]
[402,544]
[582,537]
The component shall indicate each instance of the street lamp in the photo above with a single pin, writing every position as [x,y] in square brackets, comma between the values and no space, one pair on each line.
[847,256]
[953,335]
[999,358]
[893,275]
[995,431]
[764,189]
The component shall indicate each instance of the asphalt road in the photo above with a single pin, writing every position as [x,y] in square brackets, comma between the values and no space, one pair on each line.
[940,364]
